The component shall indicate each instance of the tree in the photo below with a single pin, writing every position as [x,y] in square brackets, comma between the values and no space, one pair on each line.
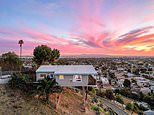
[45,87]
[129,106]
[127,83]
[10,61]
[134,81]
[109,94]
[126,92]
[92,92]
[55,54]
[116,91]
[21,42]
[42,54]
[112,75]
[141,96]
[119,99]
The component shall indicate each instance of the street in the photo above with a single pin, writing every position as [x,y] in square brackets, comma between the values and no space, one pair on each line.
[114,107]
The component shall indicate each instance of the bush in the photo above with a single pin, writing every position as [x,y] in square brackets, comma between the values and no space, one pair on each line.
[22,82]
[92,92]
[95,108]
[17,82]
[109,94]
[129,106]
[147,98]
[119,99]
[136,107]
[94,100]
[125,92]
[116,91]
[100,93]
[127,83]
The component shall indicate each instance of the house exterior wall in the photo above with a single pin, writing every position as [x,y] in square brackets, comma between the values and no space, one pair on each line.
[68,80]
[38,75]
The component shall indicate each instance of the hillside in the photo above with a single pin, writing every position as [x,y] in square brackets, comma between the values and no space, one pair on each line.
[14,102]
[70,103]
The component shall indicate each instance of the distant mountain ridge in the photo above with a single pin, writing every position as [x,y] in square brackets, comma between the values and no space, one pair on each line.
[85,56]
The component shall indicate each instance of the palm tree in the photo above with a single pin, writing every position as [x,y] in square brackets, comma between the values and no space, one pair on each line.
[46,86]
[21,42]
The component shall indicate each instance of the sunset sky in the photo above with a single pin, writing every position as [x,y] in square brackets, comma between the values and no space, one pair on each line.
[108,27]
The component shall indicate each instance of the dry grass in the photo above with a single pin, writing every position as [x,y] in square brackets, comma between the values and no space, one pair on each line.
[13,102]
[70,103]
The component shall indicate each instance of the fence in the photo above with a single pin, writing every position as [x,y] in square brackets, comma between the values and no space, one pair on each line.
[9,72]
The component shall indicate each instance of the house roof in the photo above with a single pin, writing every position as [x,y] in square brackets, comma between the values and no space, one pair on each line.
[149,112]
[67,69]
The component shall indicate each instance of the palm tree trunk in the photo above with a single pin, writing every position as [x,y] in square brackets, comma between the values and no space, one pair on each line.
[20,51]
[20,55]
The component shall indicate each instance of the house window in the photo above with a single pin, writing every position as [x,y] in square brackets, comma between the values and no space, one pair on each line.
[43,75]
[51,76]
[77,78]
[61,77]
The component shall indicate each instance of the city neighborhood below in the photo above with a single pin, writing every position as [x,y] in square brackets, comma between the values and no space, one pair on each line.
[107,73]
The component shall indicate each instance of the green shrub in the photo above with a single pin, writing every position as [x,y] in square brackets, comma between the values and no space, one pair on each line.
[17,82]
[22,82]
[109,94]
[136,107]
[100,93]
[119,99]
[129,106]
[95,108]
[92,92]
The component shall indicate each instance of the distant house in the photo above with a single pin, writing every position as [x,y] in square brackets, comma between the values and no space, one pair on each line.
[152,89]
[149,112]
[120,69]
[131,75]
[68,75]
[143,104]
[145,90]
[105,81]
[120,81]
[4,79]
[142,81]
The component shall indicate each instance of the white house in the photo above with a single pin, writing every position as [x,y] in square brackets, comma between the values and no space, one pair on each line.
[120,69]
[68,75]
[105,81]
[145,90]
[4,79]
[142,81]
[152,89]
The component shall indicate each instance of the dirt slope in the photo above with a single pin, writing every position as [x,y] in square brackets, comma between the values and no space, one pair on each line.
[70,103]
[15,103]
